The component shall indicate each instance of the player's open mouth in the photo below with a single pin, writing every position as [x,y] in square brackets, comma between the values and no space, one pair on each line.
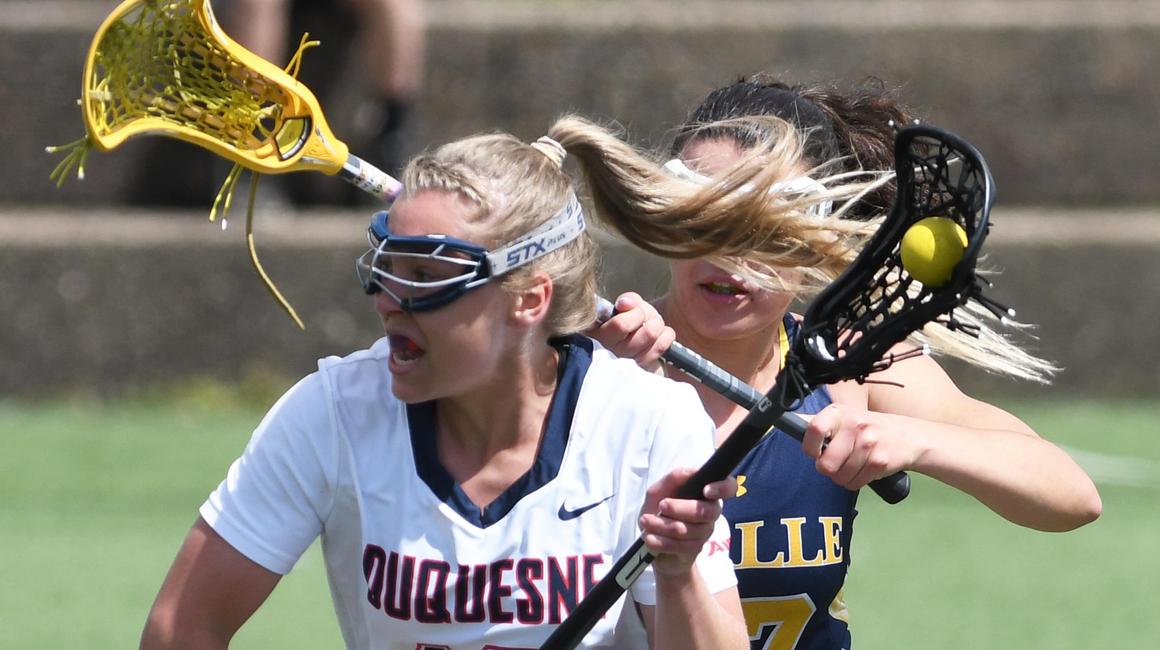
[404,351]
[723,288]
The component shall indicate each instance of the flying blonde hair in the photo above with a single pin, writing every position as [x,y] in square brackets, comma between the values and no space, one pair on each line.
[745,222]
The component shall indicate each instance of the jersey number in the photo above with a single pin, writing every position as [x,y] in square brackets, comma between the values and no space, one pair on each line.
[783,619]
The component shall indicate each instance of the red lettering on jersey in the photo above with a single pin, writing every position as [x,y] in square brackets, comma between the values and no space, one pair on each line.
[499,591]
[718,546]
[562,588]
[530,608]
[431,594]
[471,608]
[529,591]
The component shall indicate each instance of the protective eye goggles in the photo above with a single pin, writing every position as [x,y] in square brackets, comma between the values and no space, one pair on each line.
[426,272]
[802,185]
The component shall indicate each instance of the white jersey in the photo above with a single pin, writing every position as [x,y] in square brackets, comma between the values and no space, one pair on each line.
[412,562]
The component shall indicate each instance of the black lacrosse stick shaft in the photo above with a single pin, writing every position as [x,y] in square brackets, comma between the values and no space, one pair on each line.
[892,489]
[626,570]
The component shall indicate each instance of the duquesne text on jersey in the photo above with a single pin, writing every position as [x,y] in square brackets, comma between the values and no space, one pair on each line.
[529,591]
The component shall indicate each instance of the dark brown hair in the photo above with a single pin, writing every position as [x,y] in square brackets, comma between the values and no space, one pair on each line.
[842,131]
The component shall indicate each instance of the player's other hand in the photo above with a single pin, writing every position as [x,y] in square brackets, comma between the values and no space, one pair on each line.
[636,331]
[677,529]
[854,446]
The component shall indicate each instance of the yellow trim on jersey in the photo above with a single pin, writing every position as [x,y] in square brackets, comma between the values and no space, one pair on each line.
[838,609]
[783,349]
[782,343]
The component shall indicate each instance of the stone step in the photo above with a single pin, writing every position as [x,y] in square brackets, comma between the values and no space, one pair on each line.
[107,299]
[1060,95]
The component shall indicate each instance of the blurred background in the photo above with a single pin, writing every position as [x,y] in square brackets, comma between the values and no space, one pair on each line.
[139,348]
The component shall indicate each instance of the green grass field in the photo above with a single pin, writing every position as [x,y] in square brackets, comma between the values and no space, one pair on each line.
[95,500]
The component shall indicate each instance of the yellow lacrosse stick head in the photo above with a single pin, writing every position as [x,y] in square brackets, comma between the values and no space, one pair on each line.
[165,67]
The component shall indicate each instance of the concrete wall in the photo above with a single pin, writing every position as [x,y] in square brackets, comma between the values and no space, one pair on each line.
[106,302]
[1061,97]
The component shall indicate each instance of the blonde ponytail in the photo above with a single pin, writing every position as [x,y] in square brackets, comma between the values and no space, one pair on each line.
[743,223]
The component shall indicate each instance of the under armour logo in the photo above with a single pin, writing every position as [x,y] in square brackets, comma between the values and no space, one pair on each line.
[565,514]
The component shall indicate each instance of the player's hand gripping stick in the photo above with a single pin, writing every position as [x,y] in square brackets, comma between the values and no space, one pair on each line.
[892,489]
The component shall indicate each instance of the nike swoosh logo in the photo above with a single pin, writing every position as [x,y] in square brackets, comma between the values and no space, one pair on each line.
[565,514]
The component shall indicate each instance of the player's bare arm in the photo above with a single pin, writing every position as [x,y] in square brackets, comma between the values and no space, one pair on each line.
[678,529]
[914,417]
[210,591]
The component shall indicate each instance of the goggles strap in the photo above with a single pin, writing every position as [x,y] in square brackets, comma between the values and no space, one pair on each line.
[801,185]
[563,227]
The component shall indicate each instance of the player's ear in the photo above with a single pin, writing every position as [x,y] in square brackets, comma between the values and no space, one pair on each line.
[533,300]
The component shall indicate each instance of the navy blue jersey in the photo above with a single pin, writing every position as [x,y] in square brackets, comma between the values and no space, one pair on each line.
[791,543]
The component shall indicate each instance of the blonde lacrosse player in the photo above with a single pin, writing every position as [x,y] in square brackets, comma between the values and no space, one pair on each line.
[793,524]
[478,468]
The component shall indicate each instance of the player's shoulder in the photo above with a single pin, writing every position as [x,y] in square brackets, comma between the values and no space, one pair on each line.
[359,375]
[375,354]
[636,420]
[355,392]
[619,387]
[623,376]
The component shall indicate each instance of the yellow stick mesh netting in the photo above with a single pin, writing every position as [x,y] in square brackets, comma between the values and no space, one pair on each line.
[164,68]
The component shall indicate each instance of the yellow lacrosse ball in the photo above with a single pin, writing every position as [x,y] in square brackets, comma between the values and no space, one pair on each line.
[931,248]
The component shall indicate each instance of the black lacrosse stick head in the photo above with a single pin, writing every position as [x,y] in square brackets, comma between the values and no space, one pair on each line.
[848,330]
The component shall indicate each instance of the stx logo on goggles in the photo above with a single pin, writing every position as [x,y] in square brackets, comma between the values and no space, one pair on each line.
[563,227]
[536,248]
[527,253]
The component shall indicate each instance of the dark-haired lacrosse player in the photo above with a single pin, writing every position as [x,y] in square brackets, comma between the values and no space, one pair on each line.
[478,468]
[792,521]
